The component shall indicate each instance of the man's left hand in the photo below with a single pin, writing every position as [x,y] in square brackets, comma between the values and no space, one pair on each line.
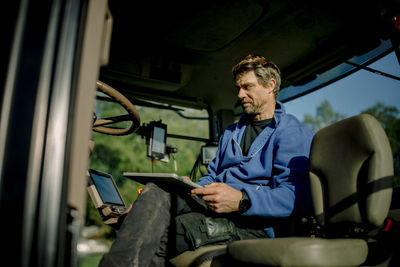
[220,197]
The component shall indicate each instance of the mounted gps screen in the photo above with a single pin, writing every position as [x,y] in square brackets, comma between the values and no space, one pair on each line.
[208,153]
[106,188]
[157,143]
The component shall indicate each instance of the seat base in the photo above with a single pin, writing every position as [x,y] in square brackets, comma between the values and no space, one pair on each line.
[296,251]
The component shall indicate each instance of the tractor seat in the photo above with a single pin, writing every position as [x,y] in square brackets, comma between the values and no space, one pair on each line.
[351,171]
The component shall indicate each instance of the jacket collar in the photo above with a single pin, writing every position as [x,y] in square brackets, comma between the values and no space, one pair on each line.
[243,121]
[279,111]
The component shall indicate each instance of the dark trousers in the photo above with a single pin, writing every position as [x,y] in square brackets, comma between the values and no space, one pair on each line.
[161,225]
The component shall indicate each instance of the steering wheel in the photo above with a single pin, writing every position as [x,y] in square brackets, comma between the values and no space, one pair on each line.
[100,125]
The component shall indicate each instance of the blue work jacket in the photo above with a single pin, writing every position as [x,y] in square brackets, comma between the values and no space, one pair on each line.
[274,174]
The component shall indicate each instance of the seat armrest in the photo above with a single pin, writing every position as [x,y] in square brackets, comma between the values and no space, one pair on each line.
[192,258]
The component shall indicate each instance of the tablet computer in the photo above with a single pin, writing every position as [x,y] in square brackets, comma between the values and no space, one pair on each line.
[104,192]
[171,179]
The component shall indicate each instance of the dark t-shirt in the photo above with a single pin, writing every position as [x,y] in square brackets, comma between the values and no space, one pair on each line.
[253,129]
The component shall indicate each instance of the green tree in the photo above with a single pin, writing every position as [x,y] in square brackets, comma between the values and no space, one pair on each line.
[388,116]
[325,115]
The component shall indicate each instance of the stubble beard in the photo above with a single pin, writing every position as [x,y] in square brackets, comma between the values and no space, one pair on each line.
[252,109]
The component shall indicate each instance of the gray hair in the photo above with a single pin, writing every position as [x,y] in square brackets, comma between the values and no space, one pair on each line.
[264,69]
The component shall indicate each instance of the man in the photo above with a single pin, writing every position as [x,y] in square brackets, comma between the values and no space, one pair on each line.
[264,157]
[260,172]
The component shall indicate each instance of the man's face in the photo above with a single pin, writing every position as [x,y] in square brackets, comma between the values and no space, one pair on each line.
[255,98]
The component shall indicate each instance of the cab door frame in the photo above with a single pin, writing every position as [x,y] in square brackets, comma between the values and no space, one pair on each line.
[45,92]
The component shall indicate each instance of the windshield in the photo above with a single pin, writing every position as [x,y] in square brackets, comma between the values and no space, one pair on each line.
[117,154]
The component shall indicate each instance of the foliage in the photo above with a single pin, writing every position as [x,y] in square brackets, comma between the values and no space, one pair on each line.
[325,115]
[91,261]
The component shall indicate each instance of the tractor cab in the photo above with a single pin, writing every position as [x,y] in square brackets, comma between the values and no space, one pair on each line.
[93,89]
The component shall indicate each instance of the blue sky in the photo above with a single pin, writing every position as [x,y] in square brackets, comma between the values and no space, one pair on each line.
[354,93]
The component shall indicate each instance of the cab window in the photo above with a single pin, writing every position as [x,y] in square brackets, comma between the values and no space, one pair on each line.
[360,92]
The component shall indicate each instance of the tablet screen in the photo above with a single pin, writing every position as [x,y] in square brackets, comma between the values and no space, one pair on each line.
[107,189]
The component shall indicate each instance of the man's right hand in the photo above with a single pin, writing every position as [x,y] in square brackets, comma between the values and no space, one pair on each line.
[220,197]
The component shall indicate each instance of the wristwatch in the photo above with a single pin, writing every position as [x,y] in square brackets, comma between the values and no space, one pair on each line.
[244,203]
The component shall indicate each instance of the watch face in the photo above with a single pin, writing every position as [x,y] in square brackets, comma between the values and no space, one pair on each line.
[244,203]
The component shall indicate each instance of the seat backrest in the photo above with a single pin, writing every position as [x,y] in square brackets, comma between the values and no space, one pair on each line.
[351,171]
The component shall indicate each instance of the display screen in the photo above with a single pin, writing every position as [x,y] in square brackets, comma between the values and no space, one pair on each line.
[106,188]
[158,143]
[208,153]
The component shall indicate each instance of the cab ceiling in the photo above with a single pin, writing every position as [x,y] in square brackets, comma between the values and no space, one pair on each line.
[183,52]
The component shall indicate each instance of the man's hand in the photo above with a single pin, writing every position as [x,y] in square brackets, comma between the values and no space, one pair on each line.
[220,197]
